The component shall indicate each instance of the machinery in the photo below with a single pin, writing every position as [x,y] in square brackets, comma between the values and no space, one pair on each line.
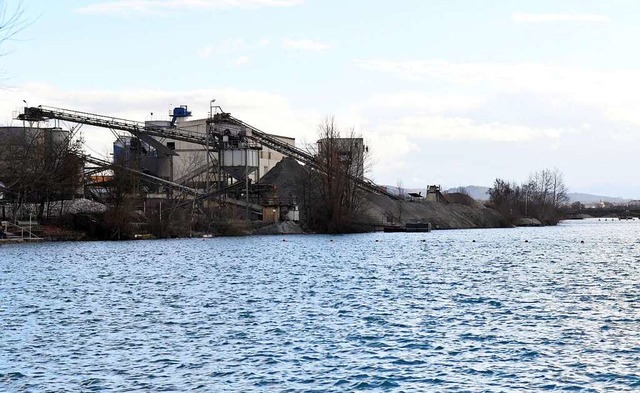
[232,152]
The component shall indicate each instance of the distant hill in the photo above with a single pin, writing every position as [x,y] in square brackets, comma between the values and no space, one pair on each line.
[590,198]
[481,193]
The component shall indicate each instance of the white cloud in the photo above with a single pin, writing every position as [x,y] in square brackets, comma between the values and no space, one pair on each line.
[418,102]
[229,47]
[612,92]
[254,107]
[388,150]
[223,47]
[158,6]
[242,60]
[306,44]
[522,17]
[463,129]
[206,51]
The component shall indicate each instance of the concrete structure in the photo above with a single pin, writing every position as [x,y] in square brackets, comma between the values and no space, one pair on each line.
[434,194]
[186,162]
[49,138]
[350,151]
[42,144]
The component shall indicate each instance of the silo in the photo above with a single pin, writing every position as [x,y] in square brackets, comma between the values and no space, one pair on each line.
[240,162]
[239,157]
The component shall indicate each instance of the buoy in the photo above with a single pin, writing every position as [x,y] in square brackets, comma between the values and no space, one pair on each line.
[582,241]
[473,241]
[526,241]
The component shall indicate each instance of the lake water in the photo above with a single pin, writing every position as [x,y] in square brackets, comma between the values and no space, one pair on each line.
[524,309]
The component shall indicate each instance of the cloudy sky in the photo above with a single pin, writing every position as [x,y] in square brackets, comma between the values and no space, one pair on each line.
[450,92]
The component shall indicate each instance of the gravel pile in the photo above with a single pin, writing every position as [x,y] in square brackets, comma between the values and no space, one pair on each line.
[288,176]
[384,210]
[463,212]
[76,206]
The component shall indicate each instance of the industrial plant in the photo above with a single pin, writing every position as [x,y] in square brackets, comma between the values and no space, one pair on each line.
[216,163]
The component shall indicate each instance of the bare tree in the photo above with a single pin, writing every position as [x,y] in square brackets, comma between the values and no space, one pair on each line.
[542,197]
[12,21]
[559,189]
[39,166]
[121,205]
[335,200]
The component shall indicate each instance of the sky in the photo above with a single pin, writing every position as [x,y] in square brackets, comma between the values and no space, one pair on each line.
[447,92]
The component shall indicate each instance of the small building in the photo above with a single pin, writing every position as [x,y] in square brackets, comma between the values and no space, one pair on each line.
[349,151]
[434,194]
[270,213]
[274,210]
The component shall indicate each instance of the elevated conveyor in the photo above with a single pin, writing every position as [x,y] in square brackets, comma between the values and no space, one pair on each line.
[151,178]
[291,151]
[197,195]
[42,113]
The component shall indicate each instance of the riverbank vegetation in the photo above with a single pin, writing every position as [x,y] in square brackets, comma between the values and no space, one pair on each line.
[541,197]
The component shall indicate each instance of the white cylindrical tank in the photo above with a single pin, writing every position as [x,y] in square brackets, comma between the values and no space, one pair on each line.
[240,162]
[241,157]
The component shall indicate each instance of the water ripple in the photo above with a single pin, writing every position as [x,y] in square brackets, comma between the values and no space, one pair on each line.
[381,312]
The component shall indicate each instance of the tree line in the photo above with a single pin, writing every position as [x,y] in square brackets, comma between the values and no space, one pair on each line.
[541,197]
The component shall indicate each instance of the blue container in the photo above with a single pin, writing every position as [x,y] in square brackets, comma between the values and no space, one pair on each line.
[181,111]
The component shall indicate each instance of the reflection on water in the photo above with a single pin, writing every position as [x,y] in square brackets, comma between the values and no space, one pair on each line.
[411,312]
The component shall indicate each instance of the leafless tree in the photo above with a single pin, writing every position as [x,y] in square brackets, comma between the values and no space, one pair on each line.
[542,197]
[39,166]
[335,202]
[559,189]
[12,21]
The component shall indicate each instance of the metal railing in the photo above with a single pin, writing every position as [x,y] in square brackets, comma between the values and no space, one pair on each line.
[15,229]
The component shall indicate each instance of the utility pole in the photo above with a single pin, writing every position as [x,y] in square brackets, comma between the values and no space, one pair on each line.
[206,191]
[246,177]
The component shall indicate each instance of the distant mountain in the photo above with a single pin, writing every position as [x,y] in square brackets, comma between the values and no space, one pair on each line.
[590,198]
[481,193]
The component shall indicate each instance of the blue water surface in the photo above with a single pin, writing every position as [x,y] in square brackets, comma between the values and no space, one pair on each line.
[527,309]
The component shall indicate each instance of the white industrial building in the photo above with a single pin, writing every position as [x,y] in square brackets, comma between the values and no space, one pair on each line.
[186,162]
